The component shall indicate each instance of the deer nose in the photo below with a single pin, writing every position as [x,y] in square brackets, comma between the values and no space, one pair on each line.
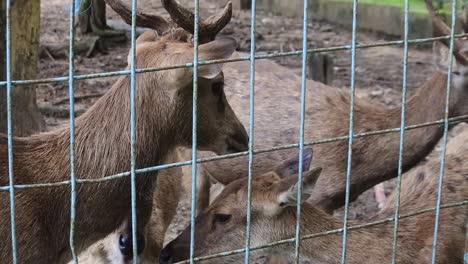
[166,255]
[238,142]
[126,244]
[243,138]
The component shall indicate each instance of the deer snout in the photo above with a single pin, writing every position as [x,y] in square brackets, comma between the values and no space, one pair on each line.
[166,255]
[126,244]
[239,141]
[177,250]
[174,252]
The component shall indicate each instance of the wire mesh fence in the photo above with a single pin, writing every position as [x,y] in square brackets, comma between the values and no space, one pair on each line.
[133,173]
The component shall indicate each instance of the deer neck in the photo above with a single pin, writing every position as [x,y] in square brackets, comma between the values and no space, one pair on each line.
[102,135]
[428,103]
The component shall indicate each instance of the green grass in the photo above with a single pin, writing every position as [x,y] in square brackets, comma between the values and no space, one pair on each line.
[416,6]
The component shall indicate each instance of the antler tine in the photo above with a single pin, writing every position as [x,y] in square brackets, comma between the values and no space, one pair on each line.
[155,22]
[445,30]
[216,23]
[208,29]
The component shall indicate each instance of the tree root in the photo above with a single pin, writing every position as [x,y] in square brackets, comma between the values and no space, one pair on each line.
[59,112]
[88,48]
[77,98]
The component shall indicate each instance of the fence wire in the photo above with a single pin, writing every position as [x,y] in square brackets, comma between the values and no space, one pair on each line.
[71,91]
[445,138]
[301,130]
[351,131]
[133,133]
[10,131]
[194,132]
[253,23]
[402,131]
[133,173]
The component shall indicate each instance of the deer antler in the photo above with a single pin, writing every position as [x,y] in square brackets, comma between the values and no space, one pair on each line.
[208,29]
[155,22]
[444,30]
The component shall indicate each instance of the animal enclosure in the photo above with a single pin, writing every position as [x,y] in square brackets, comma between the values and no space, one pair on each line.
[134,172]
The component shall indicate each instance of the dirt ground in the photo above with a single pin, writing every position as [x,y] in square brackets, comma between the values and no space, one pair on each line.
[378,72]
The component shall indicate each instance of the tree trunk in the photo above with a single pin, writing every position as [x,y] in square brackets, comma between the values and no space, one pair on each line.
[91,22]
[245,4]
[92,19]
[25,25]
[92,16]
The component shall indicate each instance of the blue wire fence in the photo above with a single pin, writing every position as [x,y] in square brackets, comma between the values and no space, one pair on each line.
[194,132]
[251,128]
[9,83]
[10,129]
[402,133]
[71,79]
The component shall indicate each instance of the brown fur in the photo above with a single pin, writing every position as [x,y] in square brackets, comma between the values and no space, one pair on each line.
[166,198]
[375,158]
[102,135]
[327,116]
[271,222]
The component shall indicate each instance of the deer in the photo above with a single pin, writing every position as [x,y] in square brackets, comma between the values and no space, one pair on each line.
[102,147]
[221,227]
[375,158]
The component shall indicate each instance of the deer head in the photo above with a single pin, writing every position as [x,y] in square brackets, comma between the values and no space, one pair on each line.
[274,201]
[218,128]
[442,58]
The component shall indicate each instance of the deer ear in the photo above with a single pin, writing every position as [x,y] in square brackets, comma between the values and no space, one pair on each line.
[289,197]
[441,56]
[220,48]
[147,36]
[291,166]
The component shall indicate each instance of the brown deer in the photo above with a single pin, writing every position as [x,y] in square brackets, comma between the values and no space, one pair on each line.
[375,158]
[221,227]
[102,136]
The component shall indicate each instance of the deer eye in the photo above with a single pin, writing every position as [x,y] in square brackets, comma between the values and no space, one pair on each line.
[457,73]
[222,218]
[283,204]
